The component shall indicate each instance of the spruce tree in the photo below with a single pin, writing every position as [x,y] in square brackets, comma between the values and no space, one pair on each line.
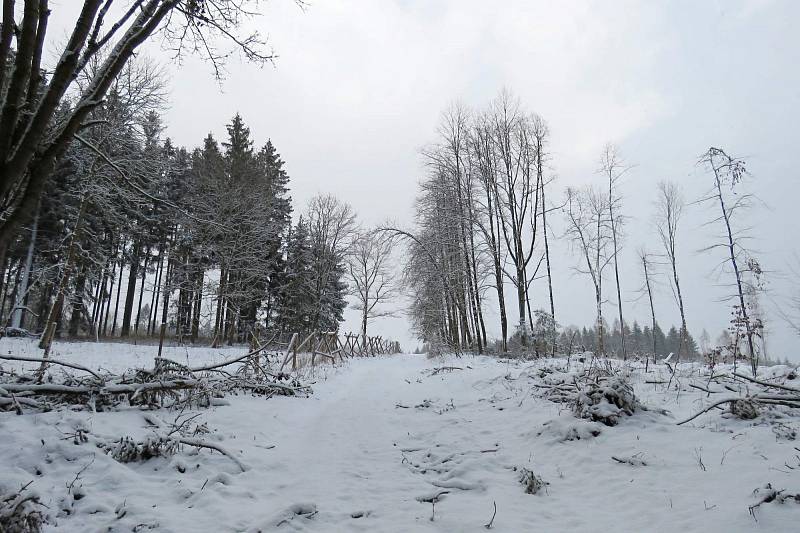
[295,297]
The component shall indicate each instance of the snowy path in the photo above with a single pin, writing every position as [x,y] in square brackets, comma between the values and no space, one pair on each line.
[350,450]
[379,435]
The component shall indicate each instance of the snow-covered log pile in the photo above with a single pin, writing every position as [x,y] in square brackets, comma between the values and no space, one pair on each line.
[168,384]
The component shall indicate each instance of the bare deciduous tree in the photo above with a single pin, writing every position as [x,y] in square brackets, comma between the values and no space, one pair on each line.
[373,277]
[545,231]
[647,288]
[613,168]
[448,204]
[728,174]
[515,187]
[589,230]
[669,209]
[332,226]
[482,150]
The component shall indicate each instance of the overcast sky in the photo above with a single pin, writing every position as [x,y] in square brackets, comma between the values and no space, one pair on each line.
[359,87]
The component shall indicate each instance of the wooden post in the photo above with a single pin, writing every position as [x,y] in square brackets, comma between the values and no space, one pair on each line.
[289,351]
[349,345]
[316,349]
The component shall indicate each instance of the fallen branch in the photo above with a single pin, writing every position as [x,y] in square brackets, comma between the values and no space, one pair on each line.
[766,383]
[707,409]
[633,460]
[229,361]
[439,369]
[113,388]
[197,443]
[51,362]
[146,387]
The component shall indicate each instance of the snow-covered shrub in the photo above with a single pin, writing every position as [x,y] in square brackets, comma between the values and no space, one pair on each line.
[20,512]
[127,450]
[784,431]
[768,494]
[744,408]
[532,483]
[605,400]
[566,428]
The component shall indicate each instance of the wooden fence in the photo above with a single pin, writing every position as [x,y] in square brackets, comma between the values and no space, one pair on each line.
[330,345]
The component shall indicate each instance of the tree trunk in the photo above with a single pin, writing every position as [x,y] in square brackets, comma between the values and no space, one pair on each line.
[119,288]
[130,295]
[220,305]
[152,316]
[198,301]
[141,290]
[523,327]
[652,308]
[111,289]
[616,266]
[498,272]
[684,331]
[732,250]
[54,315]
[15,290]
[77,304]
[547,263]
[18,314]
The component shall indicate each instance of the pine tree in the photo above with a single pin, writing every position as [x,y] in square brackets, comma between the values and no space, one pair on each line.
[332,301]
[691,349]
[638,343]
[673,341]
[647,336]
[279,216]
[295,300]
[660,341]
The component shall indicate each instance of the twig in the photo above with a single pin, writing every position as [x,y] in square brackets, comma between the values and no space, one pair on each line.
[489,525]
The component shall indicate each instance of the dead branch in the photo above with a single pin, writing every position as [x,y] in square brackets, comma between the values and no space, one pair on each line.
[50,361]
[197,443]
[765,383]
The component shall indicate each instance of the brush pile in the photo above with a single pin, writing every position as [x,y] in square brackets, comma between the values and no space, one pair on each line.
[168,384]
[596,392]
[20,511]
[748,397]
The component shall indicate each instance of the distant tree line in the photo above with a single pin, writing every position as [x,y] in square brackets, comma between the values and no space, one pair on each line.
[640,340]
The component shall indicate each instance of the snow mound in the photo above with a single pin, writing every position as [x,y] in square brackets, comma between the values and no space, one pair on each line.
[566,428]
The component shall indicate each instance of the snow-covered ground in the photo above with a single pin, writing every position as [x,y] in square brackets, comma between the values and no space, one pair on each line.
[381,437]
